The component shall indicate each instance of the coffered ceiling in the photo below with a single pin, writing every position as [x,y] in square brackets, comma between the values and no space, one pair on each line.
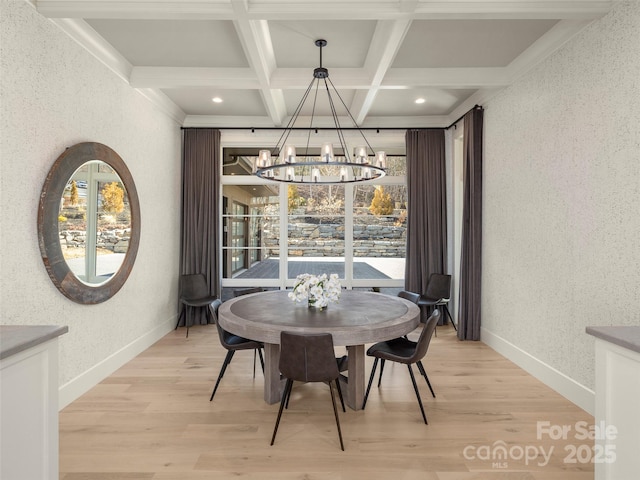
[258,56]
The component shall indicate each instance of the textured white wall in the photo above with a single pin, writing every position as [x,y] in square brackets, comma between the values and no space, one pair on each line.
[561,247]
[54,94]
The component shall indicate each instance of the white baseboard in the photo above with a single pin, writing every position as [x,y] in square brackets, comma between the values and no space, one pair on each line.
[73,389]
[558,381]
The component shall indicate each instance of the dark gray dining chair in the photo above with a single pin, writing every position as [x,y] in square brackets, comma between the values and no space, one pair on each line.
[413,298]
[438,294]
[405,351]
[232,343]
[307,358]
[194,293]
[238,292]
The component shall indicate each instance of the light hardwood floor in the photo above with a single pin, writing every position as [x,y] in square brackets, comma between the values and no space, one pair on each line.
[152,419]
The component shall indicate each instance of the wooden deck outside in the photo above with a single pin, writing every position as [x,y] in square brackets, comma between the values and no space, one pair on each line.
[269,269]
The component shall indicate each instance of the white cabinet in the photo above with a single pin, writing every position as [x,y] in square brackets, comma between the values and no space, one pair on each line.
[617,402]
[29,402]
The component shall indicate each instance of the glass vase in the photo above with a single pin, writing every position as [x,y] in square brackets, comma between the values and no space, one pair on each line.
[312,304]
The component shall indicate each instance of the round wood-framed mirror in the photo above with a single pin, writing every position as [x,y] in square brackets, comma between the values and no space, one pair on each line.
[91,181]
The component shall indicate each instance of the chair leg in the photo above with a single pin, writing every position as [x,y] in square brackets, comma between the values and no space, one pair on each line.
[335,412]
[227,361]
[286,403]
[254,363]
[424,374]
[415,387]
[182,314]
[186,320]
[259,352]
[381,369]
[261,359]
[340,393]
[451,319]
[373,374]
[285,395]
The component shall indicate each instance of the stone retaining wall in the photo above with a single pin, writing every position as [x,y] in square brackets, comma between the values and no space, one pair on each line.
[382,239]
[115,240]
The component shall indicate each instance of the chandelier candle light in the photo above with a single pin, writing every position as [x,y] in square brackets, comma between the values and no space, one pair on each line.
[318,291]
[320,166]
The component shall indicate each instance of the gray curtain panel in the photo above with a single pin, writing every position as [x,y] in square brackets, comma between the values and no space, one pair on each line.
[469,311]
[427,208]
[200,235]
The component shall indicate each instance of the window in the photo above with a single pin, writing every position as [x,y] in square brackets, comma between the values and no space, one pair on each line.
[250,241]
[274,231]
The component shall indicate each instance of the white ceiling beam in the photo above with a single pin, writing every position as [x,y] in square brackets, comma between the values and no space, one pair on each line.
[137,9]
[472,77]
[256,42]
[325,10]
[342,78]
[408,5]
[430,121]
[221,121]
[427,9]
[512,9]
[361,104]
[385,44]
[300,78]
[214,121]
[175,77]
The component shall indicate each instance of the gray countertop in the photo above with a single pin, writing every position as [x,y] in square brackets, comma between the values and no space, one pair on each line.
[16,338]
[624,336]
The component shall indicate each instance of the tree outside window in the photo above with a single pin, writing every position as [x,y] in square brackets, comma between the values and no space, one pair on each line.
[112,198]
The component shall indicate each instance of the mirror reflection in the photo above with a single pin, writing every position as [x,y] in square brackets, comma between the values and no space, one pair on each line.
[94,223]
[89,223]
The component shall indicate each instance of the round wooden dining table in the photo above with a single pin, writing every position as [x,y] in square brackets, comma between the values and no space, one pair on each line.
[357,319]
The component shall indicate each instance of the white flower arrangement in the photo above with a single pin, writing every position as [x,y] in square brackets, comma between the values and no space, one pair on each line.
[318,291]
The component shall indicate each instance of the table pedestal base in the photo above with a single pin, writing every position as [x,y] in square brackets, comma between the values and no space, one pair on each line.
[273,385]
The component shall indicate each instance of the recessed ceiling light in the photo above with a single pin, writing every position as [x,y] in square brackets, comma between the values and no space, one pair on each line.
[420,100]
[216,100]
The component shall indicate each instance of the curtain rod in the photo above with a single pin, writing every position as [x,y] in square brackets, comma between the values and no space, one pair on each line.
[378,129]
[311,128]
[475,107]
